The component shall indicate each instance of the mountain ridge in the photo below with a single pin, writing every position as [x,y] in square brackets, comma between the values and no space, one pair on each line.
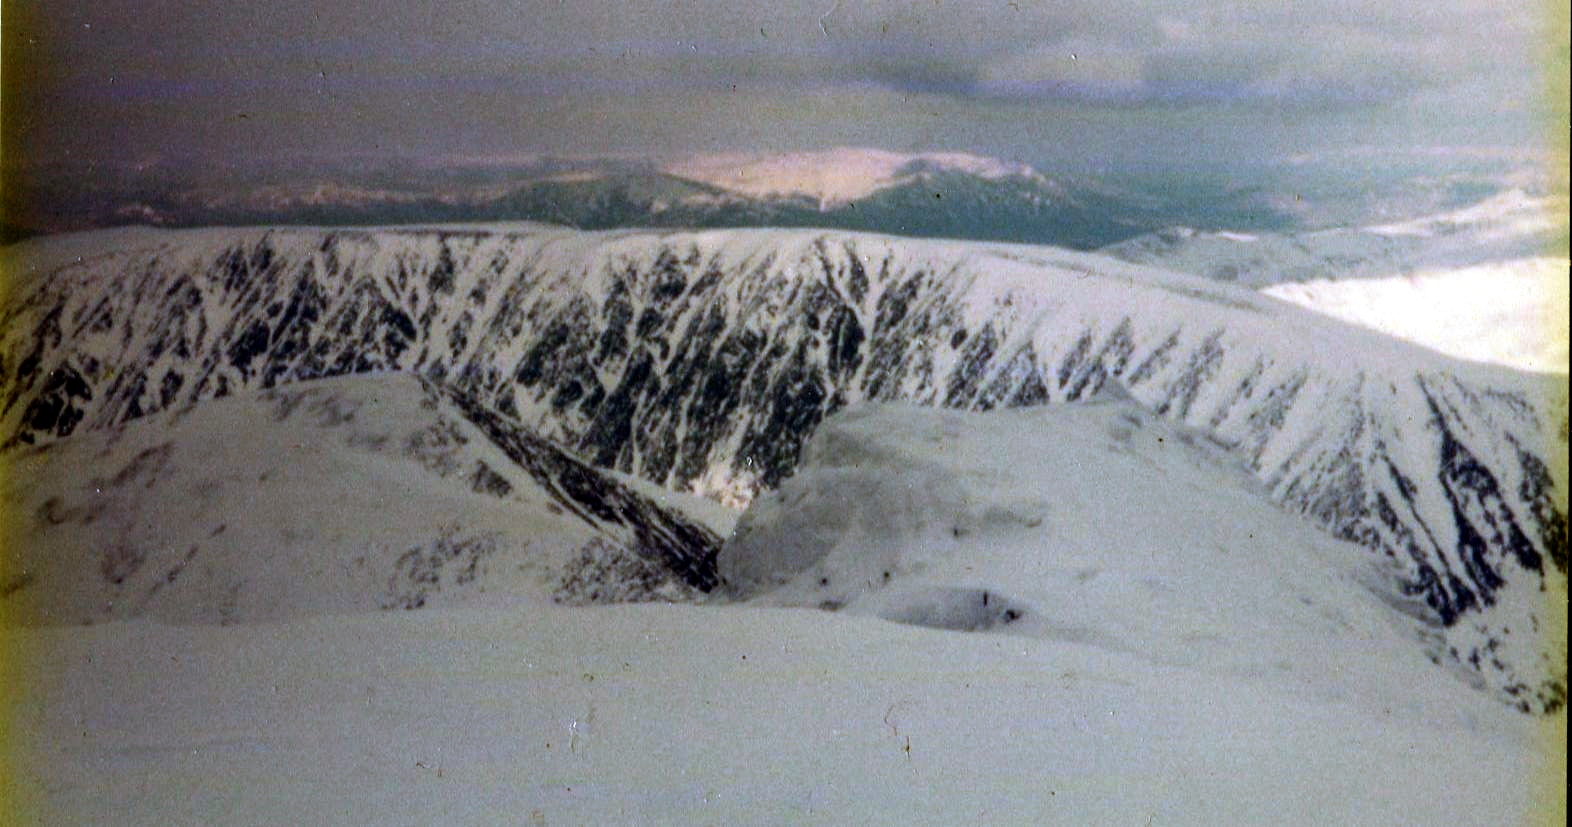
[702,360]
[927,194]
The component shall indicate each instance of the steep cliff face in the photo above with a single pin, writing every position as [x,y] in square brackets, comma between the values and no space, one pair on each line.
[703,360]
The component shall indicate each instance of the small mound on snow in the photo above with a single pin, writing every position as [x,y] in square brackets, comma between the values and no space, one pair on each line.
[955,609]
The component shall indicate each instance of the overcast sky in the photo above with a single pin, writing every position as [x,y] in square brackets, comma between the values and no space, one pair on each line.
[1096,81]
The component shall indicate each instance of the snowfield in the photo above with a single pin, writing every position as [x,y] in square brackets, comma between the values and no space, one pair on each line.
[682,714]
[1065,614]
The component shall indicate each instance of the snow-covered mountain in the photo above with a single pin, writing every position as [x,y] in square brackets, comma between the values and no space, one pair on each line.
[701,361]
[838,177]
[357,493]
[1116,626]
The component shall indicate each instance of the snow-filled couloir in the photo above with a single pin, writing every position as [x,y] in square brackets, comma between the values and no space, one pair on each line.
[702,361]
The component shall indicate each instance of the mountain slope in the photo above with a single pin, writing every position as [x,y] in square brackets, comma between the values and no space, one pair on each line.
[1097,524]
[703,360]
[1113,626]
[357,493]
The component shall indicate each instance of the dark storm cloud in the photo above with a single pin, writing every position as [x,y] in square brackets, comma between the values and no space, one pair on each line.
[304,76]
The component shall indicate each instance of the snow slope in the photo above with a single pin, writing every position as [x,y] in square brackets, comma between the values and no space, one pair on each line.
[344,495]
[1098,524]
[1158,644]
[679,715]
[701,361]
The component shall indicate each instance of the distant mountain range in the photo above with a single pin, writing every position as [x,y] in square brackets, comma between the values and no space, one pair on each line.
[951,195]
[925,194]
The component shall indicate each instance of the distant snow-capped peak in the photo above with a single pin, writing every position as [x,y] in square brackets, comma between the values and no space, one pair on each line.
[834,176]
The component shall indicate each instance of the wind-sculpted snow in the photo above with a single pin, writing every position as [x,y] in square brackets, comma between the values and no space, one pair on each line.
[702,361]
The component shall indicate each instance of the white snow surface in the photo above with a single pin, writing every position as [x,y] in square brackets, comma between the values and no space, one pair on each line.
[681,715]
[1184,653]
[1097,524]
[834,176]
[336,496]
